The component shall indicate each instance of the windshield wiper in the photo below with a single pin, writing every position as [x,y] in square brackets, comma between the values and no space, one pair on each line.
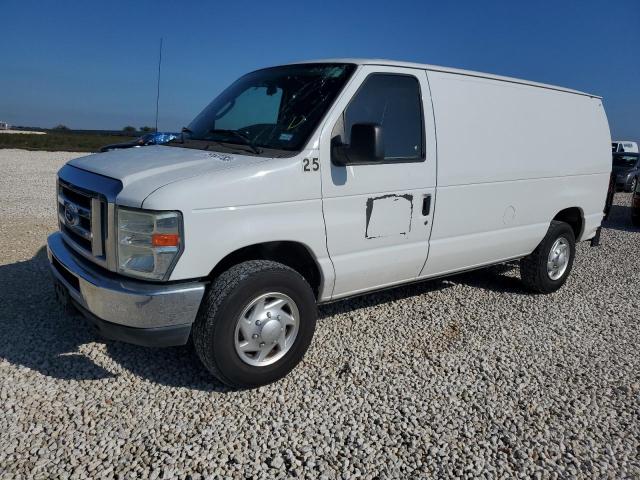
[237,134]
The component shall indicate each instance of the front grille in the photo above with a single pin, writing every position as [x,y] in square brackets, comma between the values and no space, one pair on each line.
[81,215]
[79,239]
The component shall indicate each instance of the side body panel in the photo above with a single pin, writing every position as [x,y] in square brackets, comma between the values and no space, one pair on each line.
[377,235]
[510,157]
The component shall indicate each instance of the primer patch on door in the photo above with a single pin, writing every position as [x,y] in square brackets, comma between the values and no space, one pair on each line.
[388,215]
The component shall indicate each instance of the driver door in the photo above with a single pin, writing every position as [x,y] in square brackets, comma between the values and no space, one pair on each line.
[378,216]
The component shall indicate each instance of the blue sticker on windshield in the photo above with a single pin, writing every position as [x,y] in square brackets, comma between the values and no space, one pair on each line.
[286,136]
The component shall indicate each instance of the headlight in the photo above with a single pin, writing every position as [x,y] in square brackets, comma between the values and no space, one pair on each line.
[149,243]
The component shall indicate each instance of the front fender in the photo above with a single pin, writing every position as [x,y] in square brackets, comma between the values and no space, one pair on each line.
[223,212]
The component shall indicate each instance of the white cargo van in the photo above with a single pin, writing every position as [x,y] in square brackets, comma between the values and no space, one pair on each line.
[308,183]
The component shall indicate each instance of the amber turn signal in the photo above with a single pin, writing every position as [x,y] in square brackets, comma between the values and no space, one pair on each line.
[165,240]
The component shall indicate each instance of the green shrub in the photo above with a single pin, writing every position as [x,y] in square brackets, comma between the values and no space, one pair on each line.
[54,141]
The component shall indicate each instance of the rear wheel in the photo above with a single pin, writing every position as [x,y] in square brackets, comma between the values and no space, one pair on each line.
[549,265]
[255,323]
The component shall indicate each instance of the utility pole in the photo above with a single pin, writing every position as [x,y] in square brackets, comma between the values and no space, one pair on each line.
[158,93]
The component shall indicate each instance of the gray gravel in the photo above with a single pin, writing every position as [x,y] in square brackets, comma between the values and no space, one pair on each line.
[467,377]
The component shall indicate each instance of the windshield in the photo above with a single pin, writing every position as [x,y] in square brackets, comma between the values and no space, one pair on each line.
[275,108]
[624,160]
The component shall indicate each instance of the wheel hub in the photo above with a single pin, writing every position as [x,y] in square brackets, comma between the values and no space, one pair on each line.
[266,329]
[271,331]
[558,259]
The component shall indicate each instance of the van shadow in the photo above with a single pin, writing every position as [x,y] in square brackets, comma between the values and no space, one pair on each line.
[620,219]
[494,279]
[374,299]
[36,333]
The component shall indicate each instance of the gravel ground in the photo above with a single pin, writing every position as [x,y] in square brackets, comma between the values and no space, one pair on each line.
[466,377]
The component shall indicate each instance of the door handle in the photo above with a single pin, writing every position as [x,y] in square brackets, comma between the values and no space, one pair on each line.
[426,205]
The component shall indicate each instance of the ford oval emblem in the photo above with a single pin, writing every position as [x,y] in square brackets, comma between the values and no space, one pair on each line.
[71,216]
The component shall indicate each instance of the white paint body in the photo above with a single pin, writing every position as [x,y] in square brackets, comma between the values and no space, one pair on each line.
[503,157]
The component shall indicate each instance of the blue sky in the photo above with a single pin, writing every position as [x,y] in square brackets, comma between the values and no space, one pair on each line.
[93,64]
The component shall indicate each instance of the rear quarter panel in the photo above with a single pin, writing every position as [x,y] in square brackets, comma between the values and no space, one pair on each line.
[510,157]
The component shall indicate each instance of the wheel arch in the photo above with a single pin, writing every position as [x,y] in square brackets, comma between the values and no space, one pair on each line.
[293,254]
[574,216]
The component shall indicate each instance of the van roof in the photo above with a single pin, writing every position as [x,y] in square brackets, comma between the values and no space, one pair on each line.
[436,68]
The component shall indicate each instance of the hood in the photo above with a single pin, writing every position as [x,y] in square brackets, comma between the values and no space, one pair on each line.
[144,170]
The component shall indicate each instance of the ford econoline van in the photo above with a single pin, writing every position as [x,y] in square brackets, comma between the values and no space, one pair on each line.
[313,182]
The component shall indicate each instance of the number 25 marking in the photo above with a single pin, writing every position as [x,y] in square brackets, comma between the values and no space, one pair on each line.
[310,165]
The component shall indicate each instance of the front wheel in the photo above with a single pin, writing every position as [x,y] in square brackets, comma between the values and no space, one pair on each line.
[546,269]
[634,184]
[255,323]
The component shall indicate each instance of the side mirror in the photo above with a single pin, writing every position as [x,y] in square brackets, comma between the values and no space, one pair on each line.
[367,146]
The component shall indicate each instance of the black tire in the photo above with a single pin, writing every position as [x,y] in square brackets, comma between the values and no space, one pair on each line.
[634,184]
[533,268]
[215,327]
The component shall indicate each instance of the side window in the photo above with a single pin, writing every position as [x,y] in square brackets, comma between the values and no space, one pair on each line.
[394,102]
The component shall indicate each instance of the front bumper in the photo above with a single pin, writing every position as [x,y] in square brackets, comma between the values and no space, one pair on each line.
[133,311]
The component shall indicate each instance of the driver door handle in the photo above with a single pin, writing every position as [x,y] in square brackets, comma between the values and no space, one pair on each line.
[426,205]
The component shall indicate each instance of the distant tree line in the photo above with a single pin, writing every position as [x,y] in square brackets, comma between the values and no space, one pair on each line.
[127,129]
[131,129]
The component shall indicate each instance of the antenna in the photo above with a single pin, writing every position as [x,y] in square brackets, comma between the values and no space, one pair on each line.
[158,94]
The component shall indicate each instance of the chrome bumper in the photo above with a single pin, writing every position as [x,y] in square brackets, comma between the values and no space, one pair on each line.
[122,302]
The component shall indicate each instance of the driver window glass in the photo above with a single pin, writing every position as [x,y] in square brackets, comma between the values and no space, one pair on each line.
[255,106]
[394,102]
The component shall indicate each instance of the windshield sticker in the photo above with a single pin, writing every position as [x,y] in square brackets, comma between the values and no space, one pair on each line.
[285,137]
[221,156]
